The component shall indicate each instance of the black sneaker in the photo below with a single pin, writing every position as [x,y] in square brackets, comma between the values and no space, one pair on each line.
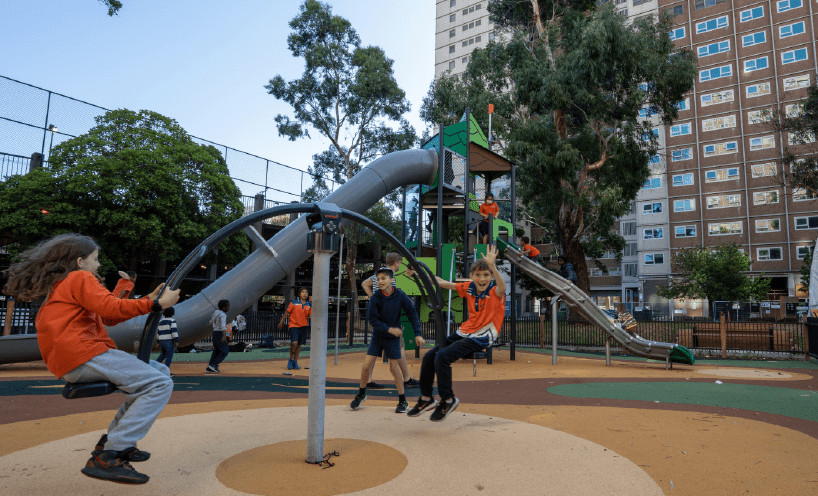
[402,407]
[374,385]
[106,465]
[356,403]
[211,370]
[412,383]
[421,406]
[130,454]
[443,410]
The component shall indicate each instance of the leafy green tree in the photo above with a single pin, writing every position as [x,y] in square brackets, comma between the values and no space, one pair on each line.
[137,183]
[805,269]
[567,90]
[113,6]
[349,95]
[799,163]
[716,273]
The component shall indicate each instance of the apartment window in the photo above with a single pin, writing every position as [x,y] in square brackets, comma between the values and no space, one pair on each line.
[628,228]
[802,194]
[768,225]
[801,252]
[452,3]
[763,170]
[750,14]
[794,56]
[717,23]
[717,98]
[654,233]
[678,33]
[685,231]
[795,82]
[453,18]
[614,271]
[452,33]
[654,258]
[477,39]
[684,205]
[645,113]
[683,104]
[639,2]
[791,29]
[451,49]
[722,228]
[630,250]
[758,90]
[680,129]
[755,64]
[680,155]
[651,208]
[759,116]
[464,60]
[785,5]
[753,39]
[765,197]
[715,73]
[630,269]
[683,179]
[723,201]
[654,159]
[620,2]
[701,4]
[720,148]
[594,272]
[714,48]
[769,254]
[451,64]
[762,142]
[718,123]
[714,176]
[794,110]
[800,138]
[491,36]
[802,223]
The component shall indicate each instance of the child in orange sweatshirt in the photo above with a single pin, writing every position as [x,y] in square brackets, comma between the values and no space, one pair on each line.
[76,347]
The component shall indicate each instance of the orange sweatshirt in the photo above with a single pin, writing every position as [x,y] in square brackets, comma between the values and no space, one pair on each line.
[123,285]
[71,325]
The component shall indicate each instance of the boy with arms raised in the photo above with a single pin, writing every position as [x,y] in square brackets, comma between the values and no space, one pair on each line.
[384,317]
[485,295]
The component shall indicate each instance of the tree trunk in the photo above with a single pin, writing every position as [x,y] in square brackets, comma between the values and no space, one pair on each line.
[574,253]
[352,254]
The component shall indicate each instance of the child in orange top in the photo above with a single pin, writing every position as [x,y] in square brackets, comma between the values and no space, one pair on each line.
[299,311]
[125,284]
[529,250]
[76,347]
[486,209]
[486,299]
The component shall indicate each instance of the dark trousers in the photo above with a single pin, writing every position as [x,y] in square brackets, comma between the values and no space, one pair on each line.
[167,351]
[220,350]
[438,361]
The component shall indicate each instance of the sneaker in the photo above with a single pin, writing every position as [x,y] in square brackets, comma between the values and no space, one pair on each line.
[290,364]
[130,454]
[402,407]
[413,383]
[443,410]
[295,365]
[356,403]
[211,370]
[421,406]
[106,465]
[374,385]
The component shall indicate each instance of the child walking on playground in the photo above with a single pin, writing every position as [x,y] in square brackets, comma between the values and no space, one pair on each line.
[485,296]
[489,207]
[530,251]
[167,336]
[299,311]
[220,338]
[76,347]
[393,261]
[384,317]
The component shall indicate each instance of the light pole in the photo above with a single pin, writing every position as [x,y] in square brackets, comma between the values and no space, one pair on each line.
[53,129]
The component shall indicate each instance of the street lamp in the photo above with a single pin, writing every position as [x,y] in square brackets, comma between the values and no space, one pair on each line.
[53,129]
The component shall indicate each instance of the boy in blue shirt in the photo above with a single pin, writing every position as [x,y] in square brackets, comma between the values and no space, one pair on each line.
[167,336]
[384,317]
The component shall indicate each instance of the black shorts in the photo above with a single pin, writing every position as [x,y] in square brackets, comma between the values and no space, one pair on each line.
[483,227]
[299,334]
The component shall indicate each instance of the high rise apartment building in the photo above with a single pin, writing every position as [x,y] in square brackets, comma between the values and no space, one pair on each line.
[461,26]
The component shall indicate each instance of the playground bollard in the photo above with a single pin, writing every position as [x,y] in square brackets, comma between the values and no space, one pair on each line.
[554,307]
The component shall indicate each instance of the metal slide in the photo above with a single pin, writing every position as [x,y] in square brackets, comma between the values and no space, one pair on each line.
[581,303]
[264,267]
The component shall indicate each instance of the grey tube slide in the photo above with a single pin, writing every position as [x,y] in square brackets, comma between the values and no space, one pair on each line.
[580,302]
[257,273]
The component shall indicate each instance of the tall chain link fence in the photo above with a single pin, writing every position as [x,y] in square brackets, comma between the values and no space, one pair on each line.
[34,120]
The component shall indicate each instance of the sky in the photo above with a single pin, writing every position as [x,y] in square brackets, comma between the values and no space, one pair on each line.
[203,63]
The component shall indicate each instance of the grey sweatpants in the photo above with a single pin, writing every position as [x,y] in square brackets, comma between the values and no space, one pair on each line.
[147,389]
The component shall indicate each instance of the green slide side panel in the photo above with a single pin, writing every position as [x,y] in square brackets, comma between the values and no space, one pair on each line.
[680,354]
[408,285]
[408,337]
[457,309]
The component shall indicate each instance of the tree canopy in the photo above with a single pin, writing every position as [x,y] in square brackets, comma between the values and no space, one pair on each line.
[567,89]
[137,183]
[799,125]
[717,273]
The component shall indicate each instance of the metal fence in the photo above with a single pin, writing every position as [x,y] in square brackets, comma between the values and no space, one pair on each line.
[34,119]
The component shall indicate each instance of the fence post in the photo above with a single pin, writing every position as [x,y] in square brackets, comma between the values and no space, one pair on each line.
[9,315]
[542,330]
[723,335]
[805,333]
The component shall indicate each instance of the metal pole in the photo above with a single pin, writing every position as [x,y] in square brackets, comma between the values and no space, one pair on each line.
[466,202]
[419,226]
[512,236]
[449,306]
[608,352]
[554,307]
[45,126]
[403,217]
[266,174]
[338,303]
[441,165]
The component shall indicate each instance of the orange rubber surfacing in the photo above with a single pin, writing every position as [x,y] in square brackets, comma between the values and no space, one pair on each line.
[281,469]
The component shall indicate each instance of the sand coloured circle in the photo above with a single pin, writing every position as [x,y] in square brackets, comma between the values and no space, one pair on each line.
[745,373]
[280,469]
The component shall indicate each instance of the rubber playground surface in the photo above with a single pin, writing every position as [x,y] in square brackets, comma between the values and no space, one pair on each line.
[523,427]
